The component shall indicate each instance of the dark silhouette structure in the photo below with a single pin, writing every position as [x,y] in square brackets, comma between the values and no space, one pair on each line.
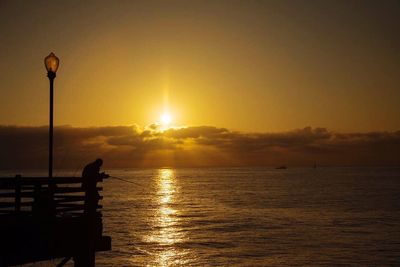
[91,175]
[51,63]
[48,218]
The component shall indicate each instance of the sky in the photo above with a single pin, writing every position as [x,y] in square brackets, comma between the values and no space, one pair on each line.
[252,68]
[244,65]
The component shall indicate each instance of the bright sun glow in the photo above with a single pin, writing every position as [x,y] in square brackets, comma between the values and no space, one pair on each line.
[166,119]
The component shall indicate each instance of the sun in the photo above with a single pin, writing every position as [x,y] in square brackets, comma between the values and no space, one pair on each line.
[165,119]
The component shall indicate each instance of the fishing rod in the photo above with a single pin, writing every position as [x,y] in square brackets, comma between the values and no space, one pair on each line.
[126,181]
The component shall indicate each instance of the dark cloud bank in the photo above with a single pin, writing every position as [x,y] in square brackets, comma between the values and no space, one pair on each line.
[130,146]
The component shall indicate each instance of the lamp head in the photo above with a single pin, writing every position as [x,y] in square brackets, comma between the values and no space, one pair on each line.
[51,62]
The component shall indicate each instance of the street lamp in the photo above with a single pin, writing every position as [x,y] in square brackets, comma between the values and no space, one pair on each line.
[51,62]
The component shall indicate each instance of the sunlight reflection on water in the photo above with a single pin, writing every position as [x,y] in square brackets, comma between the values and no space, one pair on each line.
[165,230]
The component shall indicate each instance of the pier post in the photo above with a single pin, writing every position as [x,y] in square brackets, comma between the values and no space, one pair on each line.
[17,194]
[51,76]
[87,257]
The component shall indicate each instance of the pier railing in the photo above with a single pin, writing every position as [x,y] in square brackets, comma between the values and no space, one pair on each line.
[28,195]
[47,218]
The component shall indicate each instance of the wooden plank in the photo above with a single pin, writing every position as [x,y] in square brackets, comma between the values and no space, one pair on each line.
[70,209]
[7,204]
[29,194]
[12,204]
[11,186]
[69,201]
[69,190]
[17,193]
[58,191]
[75,208]
[7,195]
[59,207]
[69,198]
[98,214]
[12,212]
[42,180]
[70,205]
[72,197]
[73,189]
[7,211]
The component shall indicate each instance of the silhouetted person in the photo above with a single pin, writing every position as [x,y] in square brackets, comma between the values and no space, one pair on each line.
[92,171]
[91,175]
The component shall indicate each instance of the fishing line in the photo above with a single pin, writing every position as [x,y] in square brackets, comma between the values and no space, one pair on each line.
[76,170]
[126,181]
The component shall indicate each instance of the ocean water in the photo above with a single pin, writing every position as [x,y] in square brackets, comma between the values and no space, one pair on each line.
[253,217]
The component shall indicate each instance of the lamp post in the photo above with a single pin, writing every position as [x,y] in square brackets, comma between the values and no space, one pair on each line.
[51,62]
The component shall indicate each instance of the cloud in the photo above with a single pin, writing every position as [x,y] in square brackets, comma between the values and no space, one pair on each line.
[132,146]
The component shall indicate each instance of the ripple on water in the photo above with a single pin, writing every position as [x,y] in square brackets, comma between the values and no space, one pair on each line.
[253,217]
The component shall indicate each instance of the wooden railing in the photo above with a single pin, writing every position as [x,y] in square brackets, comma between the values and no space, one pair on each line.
[48,218]
[25,195]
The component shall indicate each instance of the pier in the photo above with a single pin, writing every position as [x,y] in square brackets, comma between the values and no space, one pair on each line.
[50,218]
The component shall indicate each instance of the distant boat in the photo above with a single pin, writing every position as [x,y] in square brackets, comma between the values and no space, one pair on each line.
[283,167]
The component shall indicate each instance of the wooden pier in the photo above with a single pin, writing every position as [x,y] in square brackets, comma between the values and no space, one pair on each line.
[49,218]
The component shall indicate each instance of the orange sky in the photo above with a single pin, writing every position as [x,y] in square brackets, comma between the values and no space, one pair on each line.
[253,66]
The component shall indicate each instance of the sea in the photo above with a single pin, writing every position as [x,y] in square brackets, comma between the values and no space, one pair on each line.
[251,217]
